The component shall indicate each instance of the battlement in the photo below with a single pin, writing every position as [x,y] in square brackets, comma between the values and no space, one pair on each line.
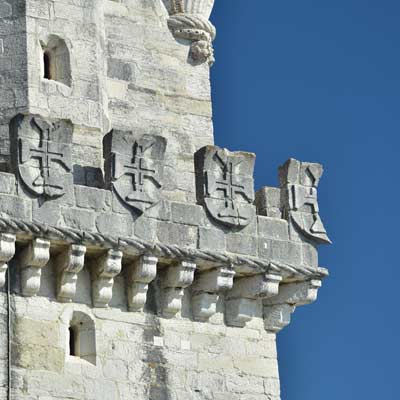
[220,247]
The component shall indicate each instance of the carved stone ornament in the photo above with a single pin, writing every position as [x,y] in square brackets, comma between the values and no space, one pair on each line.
[103,272]
[225,185]
[300,181]
[7,252]
[134,167]
[69,263]
[41,151]
[278,309]
[32,259]
[189,20]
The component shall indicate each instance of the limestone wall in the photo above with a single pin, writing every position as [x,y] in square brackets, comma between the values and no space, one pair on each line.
[13,70]
[139,355]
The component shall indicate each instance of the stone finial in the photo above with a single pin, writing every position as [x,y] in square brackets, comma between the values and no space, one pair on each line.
[69,263]
[243,300]
[140,274]
[7,252]
[33,259]
[176,279]
[225,185]
[299,183]
[189,20]
[41,154]
[278,309]
[206,289]
[103,273]
[134,167]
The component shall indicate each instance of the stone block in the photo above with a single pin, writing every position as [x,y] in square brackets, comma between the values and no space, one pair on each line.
[47,212]
[310,255]
[92,198]
[211,239]
[242,244]
[268,202]
[77,218]
[15,207]
[145,228]
[188,214]
[280,251]
[114,225]
[160,211]
[273,228]
[176,234]
[7,183]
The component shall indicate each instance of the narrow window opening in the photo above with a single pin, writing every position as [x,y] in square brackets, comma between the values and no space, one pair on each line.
[82,337]
[47,65]
[56,63]
[72,338]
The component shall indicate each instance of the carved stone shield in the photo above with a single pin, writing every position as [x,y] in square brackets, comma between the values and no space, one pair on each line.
[225,185]
[41,153]
[301,181]
[134,167]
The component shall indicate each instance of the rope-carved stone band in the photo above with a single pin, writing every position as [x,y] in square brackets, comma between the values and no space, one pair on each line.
[197,29]
[140,247]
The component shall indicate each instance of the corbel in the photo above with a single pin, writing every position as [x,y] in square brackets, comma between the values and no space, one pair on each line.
[206,290]
[140,273]
[7,252]
[33,259]
[176,279]
[103,272]
[243,301]
[277,310]
[69,263]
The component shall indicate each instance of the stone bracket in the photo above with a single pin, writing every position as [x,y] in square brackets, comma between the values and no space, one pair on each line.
[256,287]
[103,273]
[245,297]
[7,252]
[140,274]
[33,259]
[177,278]
[206,289]
[69,264]
[277,310]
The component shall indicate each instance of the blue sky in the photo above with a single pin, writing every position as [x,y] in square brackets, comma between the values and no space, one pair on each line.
[320,81]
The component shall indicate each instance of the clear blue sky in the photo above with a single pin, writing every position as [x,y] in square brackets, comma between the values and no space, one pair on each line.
[320,81]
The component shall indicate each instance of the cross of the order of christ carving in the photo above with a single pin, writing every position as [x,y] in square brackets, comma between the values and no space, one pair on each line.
[134,167]
[138,168]
[44,154]
[230,187]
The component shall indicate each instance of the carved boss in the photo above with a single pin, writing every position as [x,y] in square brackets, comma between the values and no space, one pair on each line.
[225,184]
[299,181]
[134,167]
[41,151]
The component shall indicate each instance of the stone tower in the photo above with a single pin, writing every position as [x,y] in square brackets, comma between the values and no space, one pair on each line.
[136,261]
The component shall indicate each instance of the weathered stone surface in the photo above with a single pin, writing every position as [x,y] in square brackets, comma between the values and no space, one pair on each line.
[41,152]
[225,186]
[300,180]
[7,251]
[134,167]
[268,202]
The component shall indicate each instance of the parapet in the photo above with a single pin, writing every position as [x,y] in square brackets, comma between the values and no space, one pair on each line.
[250,251]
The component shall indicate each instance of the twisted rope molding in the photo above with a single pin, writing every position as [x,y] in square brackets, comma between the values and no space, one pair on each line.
[10,225]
